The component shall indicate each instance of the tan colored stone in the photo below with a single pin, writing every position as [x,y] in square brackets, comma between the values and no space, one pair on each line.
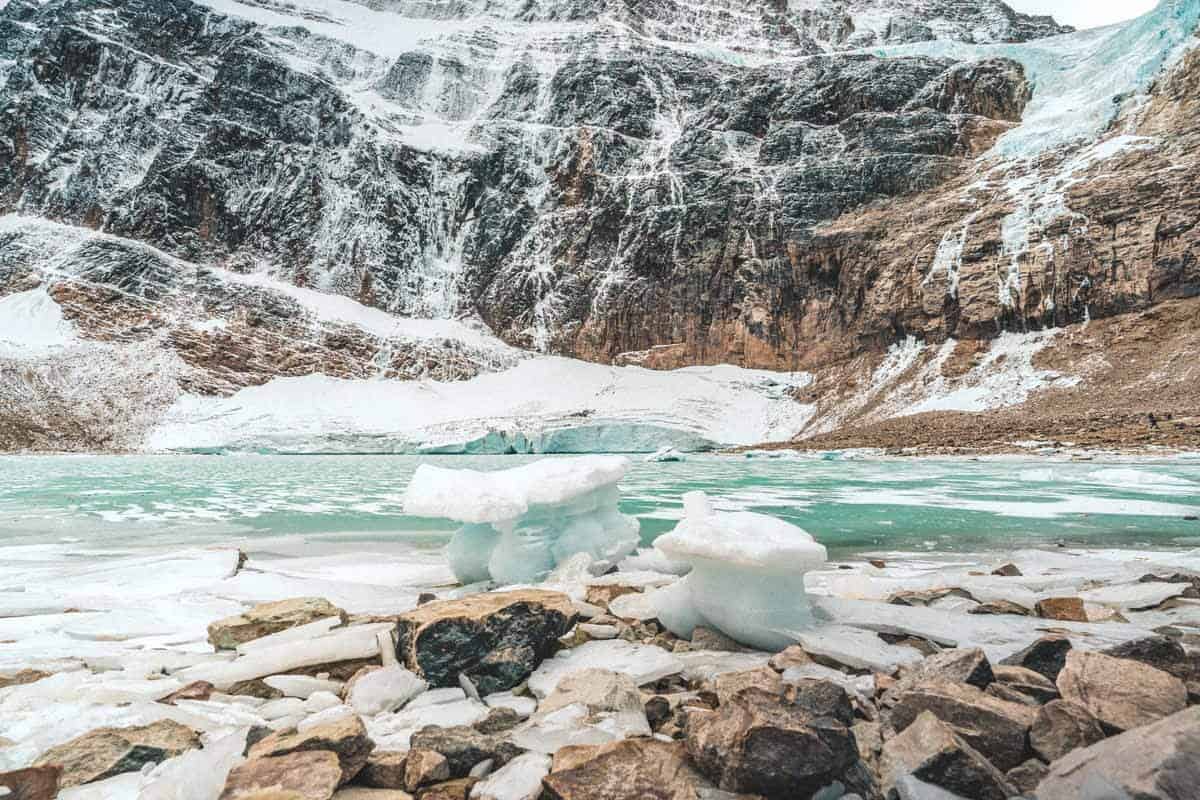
[1027,682]
[633,768]
[1065,609]
[425,767]
[197,690]
[384,770]
[598,689]
[728,684]
[311,775]
[107,752]
[1121,693]
[794,656]
[603,595]
[932,752]
[346,738]
[268,618]
[34,783]
[22,678]
[365,793]
[450,790]
[1062,726]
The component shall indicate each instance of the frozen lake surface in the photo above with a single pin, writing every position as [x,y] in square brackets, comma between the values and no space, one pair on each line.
[354,502]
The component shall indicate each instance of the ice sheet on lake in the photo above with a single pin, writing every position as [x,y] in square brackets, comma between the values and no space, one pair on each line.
[747,577]
[520,523]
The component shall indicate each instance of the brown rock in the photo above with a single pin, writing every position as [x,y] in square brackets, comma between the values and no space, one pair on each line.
[346,738]
[311,775]
[1001,607]
[932,752]
[365,793]
[425,767]
[450,790]
[708,639]
[1160,761]
[869,738]
[268,618]
[196,690]
[728,684]
[756,743]
[1027,776]
[34,783]
[464,747]
[255,687]
[949,666]
[496,639]
[107,752]
[22,678]
[498,720]
[1122,694]
[603,595]
[1066,609]
[1062,726]
[633,768]
[597,689]
[1007,571]
[384,770]
[1160,652]
[1027,682]
[877,563]
[1046,656]
[794,656]
[1005,692]
[996,728]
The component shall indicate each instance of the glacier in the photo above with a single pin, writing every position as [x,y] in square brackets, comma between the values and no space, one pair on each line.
[747,578]
[520,523]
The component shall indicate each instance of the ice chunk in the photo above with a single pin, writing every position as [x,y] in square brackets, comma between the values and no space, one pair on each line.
[519,779]
[301,686]
[858,648]
[653,560]
[575,724]
[384,689]
[197,774]
[394,731]
[523,706]
[666,453]
[518,524]
[643,663]
[747,577]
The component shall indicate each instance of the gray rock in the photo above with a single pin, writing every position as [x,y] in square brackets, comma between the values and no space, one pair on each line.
[465,747]
[1122,694]
[1046,656]
[1160,761]
[932,752]
[1062,726]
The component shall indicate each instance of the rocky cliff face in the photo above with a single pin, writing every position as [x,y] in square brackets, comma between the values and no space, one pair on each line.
[788,186]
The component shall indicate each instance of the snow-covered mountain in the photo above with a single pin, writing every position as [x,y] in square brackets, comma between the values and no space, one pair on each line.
[201,198]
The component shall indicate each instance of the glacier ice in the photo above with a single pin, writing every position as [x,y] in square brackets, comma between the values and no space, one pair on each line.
[747,577]
[518,524]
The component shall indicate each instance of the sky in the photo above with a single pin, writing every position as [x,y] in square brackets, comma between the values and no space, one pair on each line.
[1086,13]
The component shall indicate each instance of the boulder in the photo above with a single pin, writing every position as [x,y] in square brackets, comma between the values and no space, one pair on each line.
[365,793]
[1046,656]
[1001,607]
[994,727]
[1026,777]
[346,738]
[496,639]
[1062,726]
[633,768]
[932,752]
[821,698]
[1027,682]
[757,743]
[949,666]
[34,783]
[196,690]
[1160,761]
[794,656]
[311,775]
[459,789]
[464,747]
[1122,694]
[424,767]
[384,770]
[1066,609]
[1007,571]
[1160,652]
[268,618]
[728,684]
[106,752]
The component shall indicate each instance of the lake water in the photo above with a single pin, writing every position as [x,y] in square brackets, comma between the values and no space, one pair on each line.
[851,506]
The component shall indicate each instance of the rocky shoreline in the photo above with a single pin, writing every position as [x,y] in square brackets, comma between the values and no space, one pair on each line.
[1046,676]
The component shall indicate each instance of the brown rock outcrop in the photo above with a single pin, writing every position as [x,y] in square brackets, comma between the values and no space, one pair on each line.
[107,752]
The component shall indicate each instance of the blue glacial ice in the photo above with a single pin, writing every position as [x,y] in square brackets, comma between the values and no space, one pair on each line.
[747,577]
[520,523]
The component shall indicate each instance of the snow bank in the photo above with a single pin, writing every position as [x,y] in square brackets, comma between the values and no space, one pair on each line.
[32,325]
[543,405]
[520,523]
[747,577]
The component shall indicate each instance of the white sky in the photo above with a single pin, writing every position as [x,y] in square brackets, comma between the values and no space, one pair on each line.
[1085,13]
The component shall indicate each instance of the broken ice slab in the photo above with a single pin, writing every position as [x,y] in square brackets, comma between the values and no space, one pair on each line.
[644,663]
[747,578]
[520,523]
[343,644]
[394,731]
[301,686]
[575,724]
[857,648]
[1134,596]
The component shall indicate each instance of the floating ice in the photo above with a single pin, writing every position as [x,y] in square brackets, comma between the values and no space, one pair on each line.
[520,523]
[747,577]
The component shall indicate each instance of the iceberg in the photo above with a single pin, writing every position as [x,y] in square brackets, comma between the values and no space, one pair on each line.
[747,577]
[520,523]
